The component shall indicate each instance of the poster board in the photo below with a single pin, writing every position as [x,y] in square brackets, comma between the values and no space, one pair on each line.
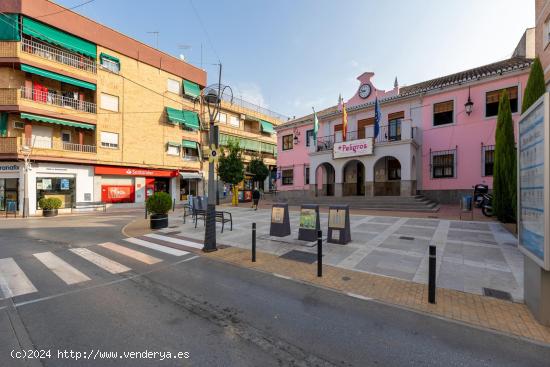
[309,222]
[280,221]
[339,224]
[533,182]
[11,207]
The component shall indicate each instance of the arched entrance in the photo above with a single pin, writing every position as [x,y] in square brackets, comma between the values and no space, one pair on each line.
[354,178]
[325,178]
[387,177]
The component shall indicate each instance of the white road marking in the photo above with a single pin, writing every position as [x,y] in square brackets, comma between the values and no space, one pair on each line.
[177,241]
[355,295]
[62,269]
[107,264]
[282,276]
[13,281]
[140,256]
[154,246]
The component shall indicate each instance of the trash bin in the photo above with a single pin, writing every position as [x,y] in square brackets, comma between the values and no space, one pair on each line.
[466,203]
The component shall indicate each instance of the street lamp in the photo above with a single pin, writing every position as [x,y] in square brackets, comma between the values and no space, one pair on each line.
[469,105]
[26,150]
[212,97]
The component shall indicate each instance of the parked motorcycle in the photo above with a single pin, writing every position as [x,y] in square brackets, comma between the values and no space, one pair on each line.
[487,205]
[479,191]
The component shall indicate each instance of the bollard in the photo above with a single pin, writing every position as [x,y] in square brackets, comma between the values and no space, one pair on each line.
[431,274]
[319,253]
[253,242]
[174,205]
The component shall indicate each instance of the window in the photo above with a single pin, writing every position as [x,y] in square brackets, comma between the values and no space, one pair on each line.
[288,177]
[488,159]
[394,169]
[59,187]
[546,33]
[443,164]
[443,113]
[222,118]
[172,149]
[287,142]
[306,175]
[109,140]
[173,86]
[394,125]
[492,101]
[234,121]
[109,102]
[66,136]
[110,63]
[309,136]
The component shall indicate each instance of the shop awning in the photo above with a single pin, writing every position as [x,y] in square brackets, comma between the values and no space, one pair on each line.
[189,144]
[267,127]
[9,27]
[52,120]
[55,76]
[49,34]
[174,144]
[191,89]
[191,175]
[189,119]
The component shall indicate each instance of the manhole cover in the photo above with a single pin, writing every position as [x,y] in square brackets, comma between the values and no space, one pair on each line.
[495,293]
[301,256]
[406,238]
[345,279]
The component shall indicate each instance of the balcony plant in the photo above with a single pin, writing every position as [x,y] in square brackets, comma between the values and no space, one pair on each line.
[158,206]
[49,206]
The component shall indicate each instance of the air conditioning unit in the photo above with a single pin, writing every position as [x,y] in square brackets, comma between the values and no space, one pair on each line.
[243,117]
[18,125]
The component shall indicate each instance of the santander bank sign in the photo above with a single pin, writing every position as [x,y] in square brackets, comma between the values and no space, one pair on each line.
[353,148]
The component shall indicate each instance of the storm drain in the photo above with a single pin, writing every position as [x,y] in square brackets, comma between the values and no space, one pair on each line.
[495,293]
[301,256]
[406,238]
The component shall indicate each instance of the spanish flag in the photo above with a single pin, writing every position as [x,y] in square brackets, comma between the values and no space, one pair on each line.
[344,121]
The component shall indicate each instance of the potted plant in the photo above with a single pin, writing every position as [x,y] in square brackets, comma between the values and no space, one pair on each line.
[158,206]
[49,206]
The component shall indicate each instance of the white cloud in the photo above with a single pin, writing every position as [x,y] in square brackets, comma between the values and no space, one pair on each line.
[354,64]
[250,92]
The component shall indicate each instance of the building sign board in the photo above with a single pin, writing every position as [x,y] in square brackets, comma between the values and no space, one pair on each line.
[129,171]
[353,148]
[9,168]
[533,182]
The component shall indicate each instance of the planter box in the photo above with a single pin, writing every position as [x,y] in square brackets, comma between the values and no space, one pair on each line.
[158,221]
[49,212]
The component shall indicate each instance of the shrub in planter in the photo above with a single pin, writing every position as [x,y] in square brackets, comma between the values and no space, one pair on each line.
[158,206]
[49,206]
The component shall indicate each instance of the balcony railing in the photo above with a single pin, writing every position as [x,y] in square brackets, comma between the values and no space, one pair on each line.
[8,145]
[253,107]
[52,53]
[191,158]
[45,143]
[56,98]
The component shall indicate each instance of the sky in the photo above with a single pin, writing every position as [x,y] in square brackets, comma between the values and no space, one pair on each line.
[291,55]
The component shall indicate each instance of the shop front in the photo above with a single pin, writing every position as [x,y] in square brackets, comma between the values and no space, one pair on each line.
[190,184]
[245,188]
[130,185]
[11,181]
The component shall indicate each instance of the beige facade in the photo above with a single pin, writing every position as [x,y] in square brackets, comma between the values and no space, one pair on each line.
[542,35]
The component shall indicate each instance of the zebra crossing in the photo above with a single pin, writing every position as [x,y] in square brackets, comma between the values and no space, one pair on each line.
[103,257]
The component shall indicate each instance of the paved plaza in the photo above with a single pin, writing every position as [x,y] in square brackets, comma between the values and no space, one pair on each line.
[471,256]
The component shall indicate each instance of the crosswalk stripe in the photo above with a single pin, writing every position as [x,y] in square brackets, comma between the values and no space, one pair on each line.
[62,269]
[13,281]
[154,246]
[140,256]
[177,241]
[107,264]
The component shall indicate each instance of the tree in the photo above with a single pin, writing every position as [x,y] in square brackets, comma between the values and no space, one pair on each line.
[258,168]
[505,169]
[231,168]
[535,86]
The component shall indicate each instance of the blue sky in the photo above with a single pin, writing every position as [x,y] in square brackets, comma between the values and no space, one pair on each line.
[290,55]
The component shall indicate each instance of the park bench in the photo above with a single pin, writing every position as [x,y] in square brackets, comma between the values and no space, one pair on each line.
[221,217]
[88,205]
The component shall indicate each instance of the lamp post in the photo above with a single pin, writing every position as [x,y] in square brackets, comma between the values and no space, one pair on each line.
[26,150]
[468,106]
[212,97]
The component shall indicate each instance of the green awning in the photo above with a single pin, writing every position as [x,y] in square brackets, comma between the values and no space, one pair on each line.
[49,34]
[188,119]
[52,120]
[108,57]
[9,27]
[61,78]
[174,144]
[3,124]
[267,127]
[191,89]
[189,144]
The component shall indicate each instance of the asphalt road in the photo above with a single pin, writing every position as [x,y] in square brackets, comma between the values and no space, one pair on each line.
[221,315]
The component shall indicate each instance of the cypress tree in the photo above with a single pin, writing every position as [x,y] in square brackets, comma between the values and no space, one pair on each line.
[505,169]
[535,86]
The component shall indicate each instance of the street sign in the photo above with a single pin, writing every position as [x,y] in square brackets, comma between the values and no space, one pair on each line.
[533,182]
[213,155]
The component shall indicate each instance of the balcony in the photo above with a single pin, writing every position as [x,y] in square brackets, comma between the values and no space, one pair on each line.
[58,55]
[13,146]
[59,145]
[53,97]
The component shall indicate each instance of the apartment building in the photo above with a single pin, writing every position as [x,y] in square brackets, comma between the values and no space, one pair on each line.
[99,115]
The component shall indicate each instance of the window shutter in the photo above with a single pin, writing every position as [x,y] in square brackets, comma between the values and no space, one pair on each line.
[397,115]
[443,107]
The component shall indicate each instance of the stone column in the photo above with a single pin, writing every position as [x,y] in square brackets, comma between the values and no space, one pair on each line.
[406,188]
[536,284]
[369,188]
[338,189]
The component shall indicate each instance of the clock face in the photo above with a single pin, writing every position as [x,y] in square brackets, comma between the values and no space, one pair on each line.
[364,91]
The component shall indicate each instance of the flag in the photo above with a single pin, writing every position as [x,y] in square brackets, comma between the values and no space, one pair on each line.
[377,118]
[315,126]
[344,121]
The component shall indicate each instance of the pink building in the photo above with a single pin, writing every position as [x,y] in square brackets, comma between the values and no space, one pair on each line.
[430,142]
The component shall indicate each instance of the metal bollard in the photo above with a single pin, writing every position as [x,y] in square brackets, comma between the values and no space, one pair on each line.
[431,274]
[253,242]
[174,205]
[319,253]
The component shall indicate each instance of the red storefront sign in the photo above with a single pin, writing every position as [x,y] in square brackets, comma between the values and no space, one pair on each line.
[129,171]
[117,194]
